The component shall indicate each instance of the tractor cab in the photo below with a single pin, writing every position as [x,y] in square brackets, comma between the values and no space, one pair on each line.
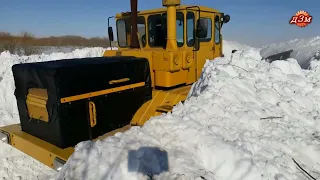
[177,40]
[192,25]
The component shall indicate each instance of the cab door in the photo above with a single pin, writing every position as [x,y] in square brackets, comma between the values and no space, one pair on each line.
[190,25]
[217,35]
[207,47]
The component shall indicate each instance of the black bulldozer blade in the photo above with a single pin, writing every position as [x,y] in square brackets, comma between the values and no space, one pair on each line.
[280,56]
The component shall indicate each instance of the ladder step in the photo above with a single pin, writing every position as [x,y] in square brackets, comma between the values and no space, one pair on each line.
[164,109]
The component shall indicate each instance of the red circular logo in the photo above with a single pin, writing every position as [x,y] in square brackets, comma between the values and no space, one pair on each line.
[301,19]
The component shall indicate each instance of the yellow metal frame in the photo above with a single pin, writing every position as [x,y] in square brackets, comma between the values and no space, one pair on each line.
[99,93]
[35,147]
[161,102]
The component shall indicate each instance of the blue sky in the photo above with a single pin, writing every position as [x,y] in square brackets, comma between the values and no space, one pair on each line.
[253,22]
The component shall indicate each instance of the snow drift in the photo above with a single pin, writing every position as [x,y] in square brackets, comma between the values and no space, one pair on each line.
[228,46]
[304,50]
[245,119]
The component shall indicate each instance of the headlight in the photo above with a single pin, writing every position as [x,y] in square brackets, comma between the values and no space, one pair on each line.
[58,163]
[4,137]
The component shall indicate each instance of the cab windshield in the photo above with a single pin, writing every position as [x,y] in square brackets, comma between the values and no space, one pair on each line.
[157,30]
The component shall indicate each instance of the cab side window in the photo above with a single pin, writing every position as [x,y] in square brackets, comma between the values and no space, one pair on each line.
[190,28]
[124,30]
[180,29]
[121,32]
[142,30]
[157,28]
[157,31]
[209,31]
[217,29]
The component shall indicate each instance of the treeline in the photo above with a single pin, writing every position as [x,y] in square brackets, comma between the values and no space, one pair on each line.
[26,43]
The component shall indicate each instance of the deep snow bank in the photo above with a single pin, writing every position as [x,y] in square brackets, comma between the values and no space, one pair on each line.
[228,46]
[245,119]
[13,163]
[303,49]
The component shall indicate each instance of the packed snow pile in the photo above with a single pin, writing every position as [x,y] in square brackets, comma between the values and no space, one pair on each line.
[13,163]
[228,46]
[304,50]
[245,119]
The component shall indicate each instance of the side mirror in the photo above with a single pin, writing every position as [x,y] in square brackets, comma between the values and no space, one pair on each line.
[110,33]
[226,18]
[202,28]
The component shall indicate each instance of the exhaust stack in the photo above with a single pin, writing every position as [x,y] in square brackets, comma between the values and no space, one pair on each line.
[171,22]
[134,13]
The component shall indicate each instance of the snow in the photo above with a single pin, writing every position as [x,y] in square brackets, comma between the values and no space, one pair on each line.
[228,46]
[14,165]
[244,119]
[304,50]
[62,49]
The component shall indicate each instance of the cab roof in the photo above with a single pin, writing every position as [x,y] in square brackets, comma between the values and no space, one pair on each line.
[164,9]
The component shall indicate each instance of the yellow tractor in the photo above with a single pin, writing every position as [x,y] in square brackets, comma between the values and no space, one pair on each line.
[160,54]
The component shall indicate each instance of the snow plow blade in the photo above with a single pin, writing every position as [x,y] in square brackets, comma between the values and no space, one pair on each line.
[280,56]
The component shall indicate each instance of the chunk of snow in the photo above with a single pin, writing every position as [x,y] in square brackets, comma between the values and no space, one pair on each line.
[228,46]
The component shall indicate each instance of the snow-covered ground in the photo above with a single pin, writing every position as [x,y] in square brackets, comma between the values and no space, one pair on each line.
[244,119]
[63,49]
